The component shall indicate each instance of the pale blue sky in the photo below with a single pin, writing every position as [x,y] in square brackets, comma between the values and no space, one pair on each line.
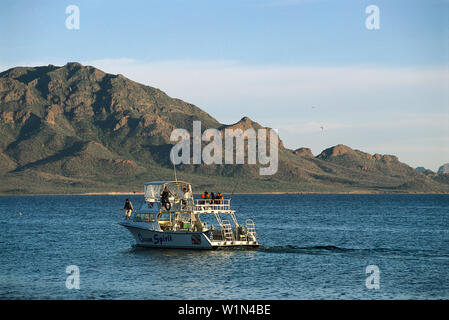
[295,65]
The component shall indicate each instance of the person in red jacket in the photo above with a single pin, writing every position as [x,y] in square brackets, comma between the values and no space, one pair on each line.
[204,196]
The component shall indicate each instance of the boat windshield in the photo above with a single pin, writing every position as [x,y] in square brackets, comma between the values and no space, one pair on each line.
[153,190]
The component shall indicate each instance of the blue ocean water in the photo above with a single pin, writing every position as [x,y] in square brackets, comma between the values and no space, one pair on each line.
[313,247]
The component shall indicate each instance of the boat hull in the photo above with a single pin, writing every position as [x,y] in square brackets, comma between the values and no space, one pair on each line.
[169,239]
[180,239]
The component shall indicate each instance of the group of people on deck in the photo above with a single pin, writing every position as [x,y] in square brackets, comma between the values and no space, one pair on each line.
[206,198]
[185,195]
[213,198]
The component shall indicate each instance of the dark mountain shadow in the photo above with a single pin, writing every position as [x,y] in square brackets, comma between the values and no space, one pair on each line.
[35,73]
[103,97]
[31,126]
[160,154]
[106,123]
[40,73]
[73,149]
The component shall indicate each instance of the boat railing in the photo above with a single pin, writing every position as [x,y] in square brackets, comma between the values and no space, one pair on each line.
[227,230]
[251,228]
[212,204]
[175,205]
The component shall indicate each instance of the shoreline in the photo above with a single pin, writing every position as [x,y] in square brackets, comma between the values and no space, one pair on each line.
[239,193]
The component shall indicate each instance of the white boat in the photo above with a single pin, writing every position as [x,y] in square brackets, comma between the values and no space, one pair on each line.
[180,222]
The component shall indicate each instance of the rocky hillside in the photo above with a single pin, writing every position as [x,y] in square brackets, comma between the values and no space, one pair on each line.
[444,169]
[76,129]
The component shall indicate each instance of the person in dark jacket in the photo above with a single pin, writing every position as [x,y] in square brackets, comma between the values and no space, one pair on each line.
[164,196]
[129,208]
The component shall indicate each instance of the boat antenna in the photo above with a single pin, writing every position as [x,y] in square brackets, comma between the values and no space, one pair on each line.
[174,166]
[236,185]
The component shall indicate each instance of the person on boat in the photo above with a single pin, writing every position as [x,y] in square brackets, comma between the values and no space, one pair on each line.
[164,196]
[205,196]
[220,198]
[129,208]
[212,196]
[185,196]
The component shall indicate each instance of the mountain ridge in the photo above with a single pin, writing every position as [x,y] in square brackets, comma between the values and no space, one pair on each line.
[75,128]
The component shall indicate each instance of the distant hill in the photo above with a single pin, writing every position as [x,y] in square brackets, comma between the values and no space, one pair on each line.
[77,129]
[444,169]
[425,171]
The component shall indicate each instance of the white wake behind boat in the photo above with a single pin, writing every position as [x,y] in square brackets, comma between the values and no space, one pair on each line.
[177,223]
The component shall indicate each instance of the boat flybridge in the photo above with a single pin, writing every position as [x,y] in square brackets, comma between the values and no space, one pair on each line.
[176,221]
